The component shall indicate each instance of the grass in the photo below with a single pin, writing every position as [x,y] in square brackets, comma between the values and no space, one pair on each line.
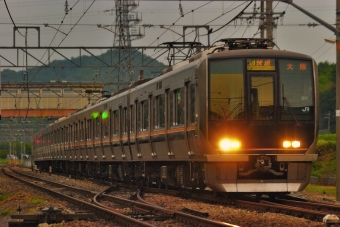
[330,190]
[6,212]
[36,201]
[5,196]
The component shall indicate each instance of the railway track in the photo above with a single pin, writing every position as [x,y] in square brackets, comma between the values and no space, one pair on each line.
[311,210]
[143,214]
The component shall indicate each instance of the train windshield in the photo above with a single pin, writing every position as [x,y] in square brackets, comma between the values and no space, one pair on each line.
[226,90]
[293,94]
[296,95]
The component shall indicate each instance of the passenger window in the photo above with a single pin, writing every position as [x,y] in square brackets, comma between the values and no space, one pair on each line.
[116,123]
[105,123]
[132,119]
[124,120]
[145,115]
[72,133]
[81,131]
[89,131]
[97,127]
[159,111]
[192,103]
[179,104]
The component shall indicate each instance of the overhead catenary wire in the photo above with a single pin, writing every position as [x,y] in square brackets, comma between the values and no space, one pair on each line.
[12,19]
[67,33]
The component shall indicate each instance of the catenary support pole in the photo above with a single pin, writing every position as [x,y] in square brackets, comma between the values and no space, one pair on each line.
[338,101]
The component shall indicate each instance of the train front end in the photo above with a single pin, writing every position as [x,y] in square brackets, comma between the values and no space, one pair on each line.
[259,123]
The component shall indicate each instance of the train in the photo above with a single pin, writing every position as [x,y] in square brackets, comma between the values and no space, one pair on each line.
[240,117]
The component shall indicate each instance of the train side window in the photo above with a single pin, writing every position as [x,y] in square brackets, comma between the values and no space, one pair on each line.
[145,115]
[56,134]
[192,103]
[138,116]
[97,127]
[159,109]
[76,132]
[72,134]
[115,123]
[81,131]
[124,120]
[178,107]
[88,130]
[132,119]
[66,135]
[105,124]
[171,108]
[154,113]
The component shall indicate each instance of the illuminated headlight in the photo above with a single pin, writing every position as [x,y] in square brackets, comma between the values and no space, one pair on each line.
[288,144]
[227,144]
[296,144]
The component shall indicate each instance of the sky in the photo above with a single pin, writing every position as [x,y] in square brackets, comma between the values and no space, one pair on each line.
[292,32]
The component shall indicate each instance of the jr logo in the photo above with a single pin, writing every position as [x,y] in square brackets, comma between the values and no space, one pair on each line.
[306,109]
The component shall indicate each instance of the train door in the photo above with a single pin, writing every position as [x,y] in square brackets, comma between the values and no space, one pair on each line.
[261,96]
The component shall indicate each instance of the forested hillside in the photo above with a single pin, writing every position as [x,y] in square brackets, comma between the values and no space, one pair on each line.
[63,71]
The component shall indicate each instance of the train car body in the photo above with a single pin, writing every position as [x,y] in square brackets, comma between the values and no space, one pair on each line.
[235,120]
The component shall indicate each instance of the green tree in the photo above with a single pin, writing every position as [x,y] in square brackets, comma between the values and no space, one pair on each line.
[327,94]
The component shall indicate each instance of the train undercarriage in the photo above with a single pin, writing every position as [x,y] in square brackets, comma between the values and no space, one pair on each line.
[158,174]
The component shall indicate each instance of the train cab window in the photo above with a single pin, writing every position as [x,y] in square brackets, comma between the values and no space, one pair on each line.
[178,107]
[144,115]
[192,103]
[262,97]
[159,111]
[226,90]
[296,95]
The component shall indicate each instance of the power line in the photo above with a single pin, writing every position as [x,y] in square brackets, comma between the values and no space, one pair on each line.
[12,19]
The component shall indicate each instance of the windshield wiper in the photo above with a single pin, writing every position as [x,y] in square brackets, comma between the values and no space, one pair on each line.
[286,101]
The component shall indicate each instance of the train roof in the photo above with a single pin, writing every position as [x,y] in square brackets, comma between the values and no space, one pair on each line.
[258,53]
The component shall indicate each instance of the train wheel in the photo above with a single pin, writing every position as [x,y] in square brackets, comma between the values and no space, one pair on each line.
[272,196]
[258,195]
[148,183]
[202,186]
[160,184]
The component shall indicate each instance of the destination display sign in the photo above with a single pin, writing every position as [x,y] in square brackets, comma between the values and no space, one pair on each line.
[260,64]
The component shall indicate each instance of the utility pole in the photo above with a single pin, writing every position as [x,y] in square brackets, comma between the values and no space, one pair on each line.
[262,20]
[337,22]
[269,21]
